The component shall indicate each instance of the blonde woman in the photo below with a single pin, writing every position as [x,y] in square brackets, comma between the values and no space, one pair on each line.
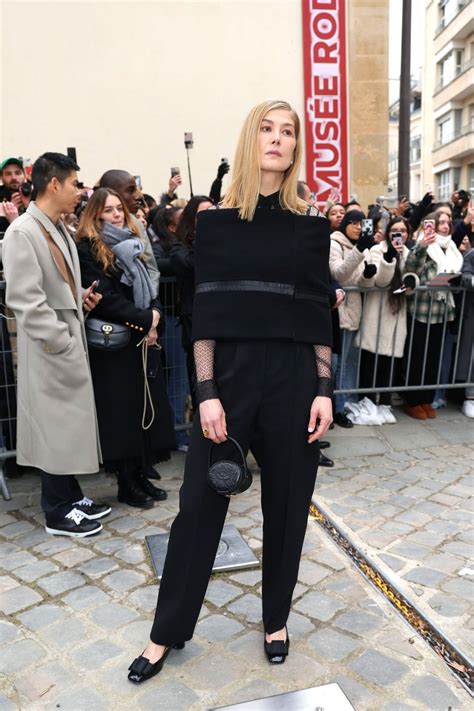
[262,347]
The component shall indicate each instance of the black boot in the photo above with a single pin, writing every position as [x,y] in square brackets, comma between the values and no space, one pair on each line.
[152,473]
[131,492]
[150,489]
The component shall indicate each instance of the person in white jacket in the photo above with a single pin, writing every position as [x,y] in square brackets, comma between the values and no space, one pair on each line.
[383,329]
[349,259]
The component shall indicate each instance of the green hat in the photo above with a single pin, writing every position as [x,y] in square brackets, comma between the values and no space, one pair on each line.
[8,161]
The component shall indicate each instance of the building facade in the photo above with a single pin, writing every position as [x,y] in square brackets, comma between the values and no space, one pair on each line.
[448,96]
[122,81]
[417,188]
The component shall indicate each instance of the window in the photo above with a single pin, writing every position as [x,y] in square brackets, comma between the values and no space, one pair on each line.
[445,129]
[415,149]
[450,67]
[471,177]
[444,189]
[456,178]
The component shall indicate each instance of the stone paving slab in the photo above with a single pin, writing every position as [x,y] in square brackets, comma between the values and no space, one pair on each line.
[419,527]
[70,634]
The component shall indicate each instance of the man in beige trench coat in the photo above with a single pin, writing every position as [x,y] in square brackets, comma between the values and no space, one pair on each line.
[56,429]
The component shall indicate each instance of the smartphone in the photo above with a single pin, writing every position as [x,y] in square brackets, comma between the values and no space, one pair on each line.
[225,160]
[138,181]
[397,238]
[153,361]
[368,227]
[175,171]
[429,223]
[94,286]
[188,140]
[71,153]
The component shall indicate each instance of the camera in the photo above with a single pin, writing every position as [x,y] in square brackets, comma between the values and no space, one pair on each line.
[464,196]
[26,189]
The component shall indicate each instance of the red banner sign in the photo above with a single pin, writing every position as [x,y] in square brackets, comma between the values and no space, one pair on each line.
[325,81]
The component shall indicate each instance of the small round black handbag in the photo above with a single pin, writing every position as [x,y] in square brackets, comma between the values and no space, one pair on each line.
[226,477]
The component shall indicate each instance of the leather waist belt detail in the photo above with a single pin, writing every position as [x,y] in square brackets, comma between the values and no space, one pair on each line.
[270,287]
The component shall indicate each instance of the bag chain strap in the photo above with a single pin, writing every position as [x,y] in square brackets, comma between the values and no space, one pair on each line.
[147,399]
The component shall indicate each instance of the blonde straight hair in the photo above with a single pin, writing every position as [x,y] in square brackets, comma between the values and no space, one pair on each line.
[245,187]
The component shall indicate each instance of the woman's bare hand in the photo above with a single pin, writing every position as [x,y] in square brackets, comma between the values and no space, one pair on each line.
[320,415]
[213,420]
[152,337]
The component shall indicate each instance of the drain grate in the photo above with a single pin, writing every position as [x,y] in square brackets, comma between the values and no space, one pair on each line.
[233,552]
[457,662]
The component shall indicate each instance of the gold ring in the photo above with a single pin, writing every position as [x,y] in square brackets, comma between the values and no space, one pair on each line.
[205,433]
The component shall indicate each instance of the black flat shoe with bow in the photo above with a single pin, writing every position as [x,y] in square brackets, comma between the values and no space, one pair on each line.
[277,651]
[142,669]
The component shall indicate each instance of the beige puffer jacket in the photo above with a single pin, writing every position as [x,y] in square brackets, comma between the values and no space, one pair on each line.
[346,264]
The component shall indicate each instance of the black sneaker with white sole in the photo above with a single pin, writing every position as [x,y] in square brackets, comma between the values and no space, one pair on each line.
[92,509]
[74,524]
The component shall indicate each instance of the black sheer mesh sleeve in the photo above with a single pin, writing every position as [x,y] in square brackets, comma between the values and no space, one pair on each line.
[323,366]
[206,388]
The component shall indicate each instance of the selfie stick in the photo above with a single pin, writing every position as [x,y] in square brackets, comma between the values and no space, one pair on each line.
[189,173]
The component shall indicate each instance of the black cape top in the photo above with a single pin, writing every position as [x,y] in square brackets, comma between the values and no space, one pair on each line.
[264,279]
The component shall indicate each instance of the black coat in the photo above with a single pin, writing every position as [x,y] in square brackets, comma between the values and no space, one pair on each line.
[182,262]
[169,292]
[118,376]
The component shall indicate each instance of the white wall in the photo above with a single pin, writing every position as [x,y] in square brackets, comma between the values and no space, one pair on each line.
[122,81]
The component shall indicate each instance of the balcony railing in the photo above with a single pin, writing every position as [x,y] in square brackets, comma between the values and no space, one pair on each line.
[454,135]
[442,26]
[460,70]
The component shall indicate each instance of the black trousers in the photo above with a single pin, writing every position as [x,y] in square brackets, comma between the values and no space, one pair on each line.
[265,387]
[415,372]
[58,493]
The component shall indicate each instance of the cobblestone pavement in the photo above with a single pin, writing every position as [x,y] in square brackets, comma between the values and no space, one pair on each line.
[76,612]
[404,495]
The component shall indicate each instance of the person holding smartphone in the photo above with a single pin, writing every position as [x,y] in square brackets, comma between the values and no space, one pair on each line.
[112,253]
[349,264]
[383,329]
[435,253]
[56,423]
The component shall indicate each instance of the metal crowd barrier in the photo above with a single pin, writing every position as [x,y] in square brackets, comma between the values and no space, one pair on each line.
[451,339]
[175,362]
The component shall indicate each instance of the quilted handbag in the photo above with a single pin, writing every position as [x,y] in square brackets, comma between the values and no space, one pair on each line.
[226,477]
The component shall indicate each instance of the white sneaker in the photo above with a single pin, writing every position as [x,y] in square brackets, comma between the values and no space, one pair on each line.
[468,408]
[386,415]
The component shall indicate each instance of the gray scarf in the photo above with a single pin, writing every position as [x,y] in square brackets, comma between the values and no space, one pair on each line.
[127,249]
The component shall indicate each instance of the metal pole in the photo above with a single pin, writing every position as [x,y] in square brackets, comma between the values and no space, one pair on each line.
[405,99]
[189,173]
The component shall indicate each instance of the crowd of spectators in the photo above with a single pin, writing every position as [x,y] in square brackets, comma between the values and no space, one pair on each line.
[387,332]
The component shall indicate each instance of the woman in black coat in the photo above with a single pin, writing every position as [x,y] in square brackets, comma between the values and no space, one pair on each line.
[182,263]
[165,222]
[133,435]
